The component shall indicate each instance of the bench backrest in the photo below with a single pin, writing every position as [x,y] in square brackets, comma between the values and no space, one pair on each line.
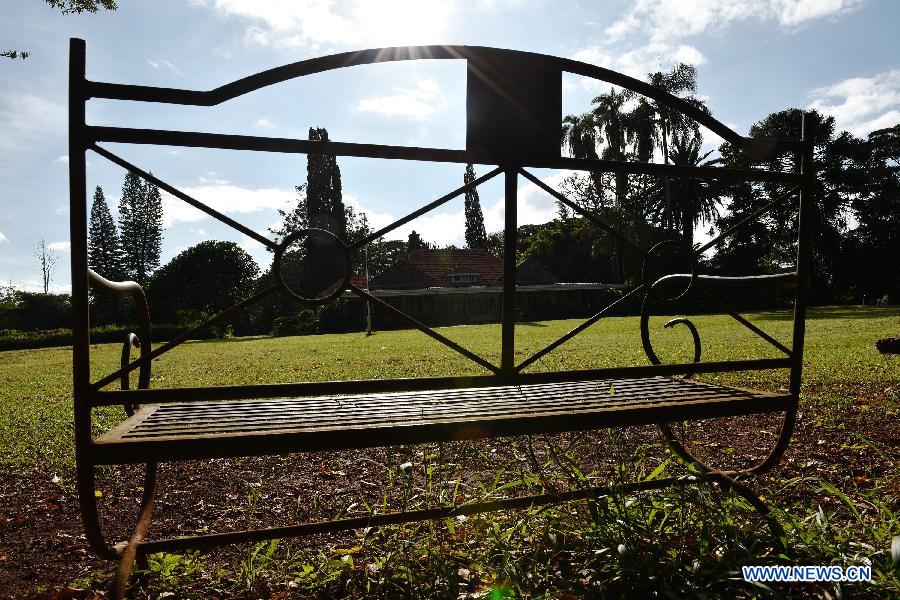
[513,109]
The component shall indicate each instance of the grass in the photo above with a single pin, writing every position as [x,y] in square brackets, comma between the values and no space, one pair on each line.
[841,364]
[688,542]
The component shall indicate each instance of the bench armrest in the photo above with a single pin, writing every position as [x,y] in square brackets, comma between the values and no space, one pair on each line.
[143,339]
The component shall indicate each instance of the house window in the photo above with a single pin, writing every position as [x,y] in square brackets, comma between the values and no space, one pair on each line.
[463,277]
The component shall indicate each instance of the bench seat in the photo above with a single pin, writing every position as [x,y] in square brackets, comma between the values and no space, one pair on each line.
[190,430]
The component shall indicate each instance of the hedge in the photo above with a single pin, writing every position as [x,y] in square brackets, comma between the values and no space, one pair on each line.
[12,339]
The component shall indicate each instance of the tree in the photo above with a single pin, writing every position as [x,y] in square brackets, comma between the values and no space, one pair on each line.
[202,281]
[80,6]
[569,250]
[357,230]
[885,147]
[323,261]
[104,249]
[33,311]
[476,235]
[582,135]
[611,122]
[385,253]
[681,80]
[769,243]
[140,228]
[294,219]
[415,243]
[47,260]
[579,137]
[67,7]
[871,264]
[691,200]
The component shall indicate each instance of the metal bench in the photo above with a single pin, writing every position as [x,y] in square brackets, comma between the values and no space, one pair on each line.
[513,122]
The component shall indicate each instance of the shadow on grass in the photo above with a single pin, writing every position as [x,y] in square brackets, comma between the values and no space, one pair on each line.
[833,312]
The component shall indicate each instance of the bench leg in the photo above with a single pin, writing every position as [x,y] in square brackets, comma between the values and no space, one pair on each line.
[727,479]
[765,465]
[125,552]
[87,502]
[129,552]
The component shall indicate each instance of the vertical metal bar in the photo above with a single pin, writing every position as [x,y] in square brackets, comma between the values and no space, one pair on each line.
[81,342]
[508,314]
[808,171]
[78,235]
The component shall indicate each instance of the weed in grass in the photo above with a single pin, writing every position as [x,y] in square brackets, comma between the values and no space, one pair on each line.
[170,574]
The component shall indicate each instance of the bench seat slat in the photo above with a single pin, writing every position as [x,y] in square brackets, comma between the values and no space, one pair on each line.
[255,427]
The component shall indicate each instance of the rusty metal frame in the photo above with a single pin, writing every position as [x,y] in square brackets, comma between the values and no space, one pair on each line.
[482,63]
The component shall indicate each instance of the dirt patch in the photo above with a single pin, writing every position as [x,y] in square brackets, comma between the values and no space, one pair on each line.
[43,551]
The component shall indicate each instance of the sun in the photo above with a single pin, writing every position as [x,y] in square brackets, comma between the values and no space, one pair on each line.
[403,22]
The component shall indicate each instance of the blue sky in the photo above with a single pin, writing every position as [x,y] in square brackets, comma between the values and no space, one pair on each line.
[753,58]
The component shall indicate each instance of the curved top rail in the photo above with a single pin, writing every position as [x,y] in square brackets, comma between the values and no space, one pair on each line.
[478,56]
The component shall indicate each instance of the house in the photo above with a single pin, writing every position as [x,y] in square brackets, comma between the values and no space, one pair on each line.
[447,268]
[457,286]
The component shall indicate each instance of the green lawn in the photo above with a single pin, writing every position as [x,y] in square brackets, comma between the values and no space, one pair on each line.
[836,493]
[841,365]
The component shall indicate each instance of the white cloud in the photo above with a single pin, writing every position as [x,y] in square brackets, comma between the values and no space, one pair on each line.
[377,220]
[60,246]
[227,199]
[264,123]
[64,159]
[534,206]
[416,103]
[311,24]
[792,13]
[165,65]
[667,20]
[663,25]
[861,104]
[25,118]
[3,238]
[639,61]
[211,177]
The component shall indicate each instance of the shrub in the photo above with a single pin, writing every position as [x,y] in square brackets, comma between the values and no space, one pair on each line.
[303,322]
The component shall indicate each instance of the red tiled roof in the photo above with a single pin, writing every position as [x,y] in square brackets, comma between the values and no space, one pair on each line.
[437,265]
[357,280]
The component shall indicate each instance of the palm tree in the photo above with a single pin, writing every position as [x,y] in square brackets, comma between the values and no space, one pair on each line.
[582,135]
[692,200]
[681,81]
[579,137]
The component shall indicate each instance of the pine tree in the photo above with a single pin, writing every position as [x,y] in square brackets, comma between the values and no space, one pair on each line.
[104,250]
[140,228]
[476,235]
[129,224]
[154,219]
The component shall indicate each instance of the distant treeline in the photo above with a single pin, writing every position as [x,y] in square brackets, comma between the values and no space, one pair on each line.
[855,225]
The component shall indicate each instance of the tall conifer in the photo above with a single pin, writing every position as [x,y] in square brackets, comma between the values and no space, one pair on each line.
[140,228]
[323,261]
[476,235]
[104,250]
